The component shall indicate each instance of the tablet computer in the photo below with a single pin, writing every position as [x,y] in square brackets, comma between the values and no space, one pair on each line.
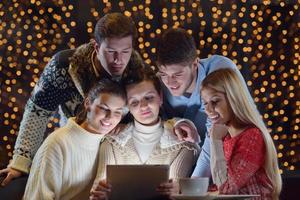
[136,182]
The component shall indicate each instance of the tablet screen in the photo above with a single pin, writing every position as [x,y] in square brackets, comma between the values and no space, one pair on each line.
[136,182]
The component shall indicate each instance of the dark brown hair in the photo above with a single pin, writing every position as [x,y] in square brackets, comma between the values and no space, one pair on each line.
[114,25]
[176,46]
[143,73]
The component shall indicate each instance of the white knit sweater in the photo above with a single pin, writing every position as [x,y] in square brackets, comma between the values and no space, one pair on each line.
[64,167]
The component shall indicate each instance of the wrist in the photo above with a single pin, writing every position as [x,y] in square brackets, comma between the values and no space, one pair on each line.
[20,163]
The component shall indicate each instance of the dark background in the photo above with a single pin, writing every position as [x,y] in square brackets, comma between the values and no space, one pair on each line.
[261,37]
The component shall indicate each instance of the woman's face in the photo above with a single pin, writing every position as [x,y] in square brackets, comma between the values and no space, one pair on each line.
[217,106]
[104,113]
[144,102]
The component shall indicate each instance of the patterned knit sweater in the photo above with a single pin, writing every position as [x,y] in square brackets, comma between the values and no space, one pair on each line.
[238,164]
[65,165]
[62,86]
[120,149]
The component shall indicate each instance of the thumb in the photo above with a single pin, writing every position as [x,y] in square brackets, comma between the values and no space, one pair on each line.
[8,179]
[178,133]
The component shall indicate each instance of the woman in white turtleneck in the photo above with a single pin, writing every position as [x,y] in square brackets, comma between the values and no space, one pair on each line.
[65,165]
[148,139]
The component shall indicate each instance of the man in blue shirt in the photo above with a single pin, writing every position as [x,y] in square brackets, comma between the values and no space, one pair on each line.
[182,72]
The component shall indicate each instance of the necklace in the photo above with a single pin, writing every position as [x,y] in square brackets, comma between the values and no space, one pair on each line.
[93,64]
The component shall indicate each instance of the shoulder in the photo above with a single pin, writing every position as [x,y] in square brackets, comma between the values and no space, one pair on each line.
[51,149]
[122,138]
[60,60]
[81,55]
[253,133]
[64,57]
[215,58]
[250,138]
[216,62]
[59,138]
[59,64]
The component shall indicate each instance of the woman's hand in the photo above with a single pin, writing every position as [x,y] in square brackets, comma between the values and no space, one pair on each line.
[9,174]
[100,190]
[218,131]
[168,189]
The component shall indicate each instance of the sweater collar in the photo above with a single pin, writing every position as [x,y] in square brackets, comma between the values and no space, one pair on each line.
[147,134]
[83,137]
[167,138]
[145,129]
[81,58]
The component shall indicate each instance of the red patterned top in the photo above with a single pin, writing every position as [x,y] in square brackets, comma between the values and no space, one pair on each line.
[245,155]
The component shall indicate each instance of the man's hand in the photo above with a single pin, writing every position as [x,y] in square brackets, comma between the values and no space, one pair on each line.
[186,132]
[9,174]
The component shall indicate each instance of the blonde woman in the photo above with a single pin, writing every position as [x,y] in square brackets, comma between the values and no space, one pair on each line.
[243,155]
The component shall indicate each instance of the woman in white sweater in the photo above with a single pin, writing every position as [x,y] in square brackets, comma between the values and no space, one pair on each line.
[65,165]
[148,140]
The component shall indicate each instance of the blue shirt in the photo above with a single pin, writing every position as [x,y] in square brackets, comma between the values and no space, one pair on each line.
[192,108]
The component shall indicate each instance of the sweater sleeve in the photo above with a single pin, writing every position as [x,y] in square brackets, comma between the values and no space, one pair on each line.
[48,94]
[202,168]
[218,162]
[183,163]
[45,178]
[247,158]
[106,157]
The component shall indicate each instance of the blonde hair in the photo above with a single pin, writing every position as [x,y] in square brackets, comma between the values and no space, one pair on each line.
[231,83]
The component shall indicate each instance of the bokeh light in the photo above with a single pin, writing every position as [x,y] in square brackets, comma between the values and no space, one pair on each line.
[261,37]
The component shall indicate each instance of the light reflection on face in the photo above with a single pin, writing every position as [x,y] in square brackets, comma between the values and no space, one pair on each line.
[114,54]
[104,113]
[216,106]
[144,102]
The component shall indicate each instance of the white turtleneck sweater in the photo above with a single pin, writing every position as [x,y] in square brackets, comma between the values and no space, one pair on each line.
[145,138]
[65,165]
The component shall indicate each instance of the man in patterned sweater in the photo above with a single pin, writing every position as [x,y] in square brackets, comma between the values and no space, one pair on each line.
[65,81]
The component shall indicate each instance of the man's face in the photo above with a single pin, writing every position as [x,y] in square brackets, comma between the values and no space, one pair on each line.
[114,54]
[178,78]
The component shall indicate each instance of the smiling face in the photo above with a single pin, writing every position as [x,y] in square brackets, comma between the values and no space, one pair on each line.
[179,78]
[114,54]
[144,102]
[217,106]
[104,113]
